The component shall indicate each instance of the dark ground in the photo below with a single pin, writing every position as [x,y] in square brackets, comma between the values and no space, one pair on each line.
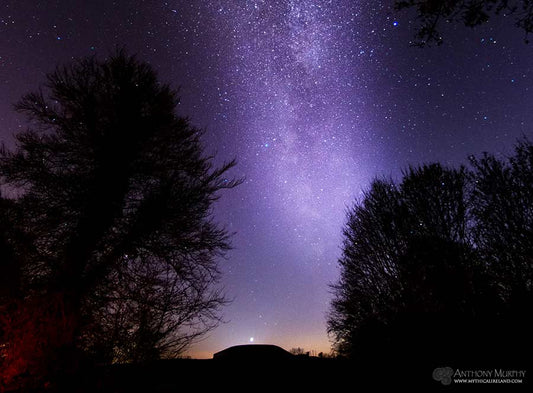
[298,374]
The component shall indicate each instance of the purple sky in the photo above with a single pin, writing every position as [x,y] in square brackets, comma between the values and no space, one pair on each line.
[314,99]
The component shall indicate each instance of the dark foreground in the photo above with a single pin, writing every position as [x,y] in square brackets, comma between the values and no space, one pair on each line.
[297,374]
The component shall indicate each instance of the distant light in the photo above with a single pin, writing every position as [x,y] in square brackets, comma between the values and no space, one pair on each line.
[395,23]
[251,339]
[58,38]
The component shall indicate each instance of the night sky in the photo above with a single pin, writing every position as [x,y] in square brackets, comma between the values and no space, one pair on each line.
[313,98]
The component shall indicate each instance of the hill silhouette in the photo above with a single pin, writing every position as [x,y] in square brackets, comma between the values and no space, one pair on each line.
[255,352]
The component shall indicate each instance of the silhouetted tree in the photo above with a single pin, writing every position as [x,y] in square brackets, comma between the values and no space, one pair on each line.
[368,287]
[415,272]
[153,312]
[433,13]
[298,351]
[502,202]
[116,192]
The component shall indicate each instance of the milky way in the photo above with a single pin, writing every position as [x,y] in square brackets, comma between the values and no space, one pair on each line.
[313,98]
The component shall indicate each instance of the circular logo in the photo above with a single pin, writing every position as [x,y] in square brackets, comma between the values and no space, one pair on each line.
[443,375]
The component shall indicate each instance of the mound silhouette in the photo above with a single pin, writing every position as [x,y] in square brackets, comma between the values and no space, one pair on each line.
[258,352]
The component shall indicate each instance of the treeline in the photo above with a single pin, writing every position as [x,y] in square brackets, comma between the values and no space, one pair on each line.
[438,266]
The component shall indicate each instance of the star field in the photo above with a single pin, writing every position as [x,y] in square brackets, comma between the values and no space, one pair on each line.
[313,98]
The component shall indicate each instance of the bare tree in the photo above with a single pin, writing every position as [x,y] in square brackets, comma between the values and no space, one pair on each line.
[502,202]
[441,259]
[406,254]
[151,312]
[117,193]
